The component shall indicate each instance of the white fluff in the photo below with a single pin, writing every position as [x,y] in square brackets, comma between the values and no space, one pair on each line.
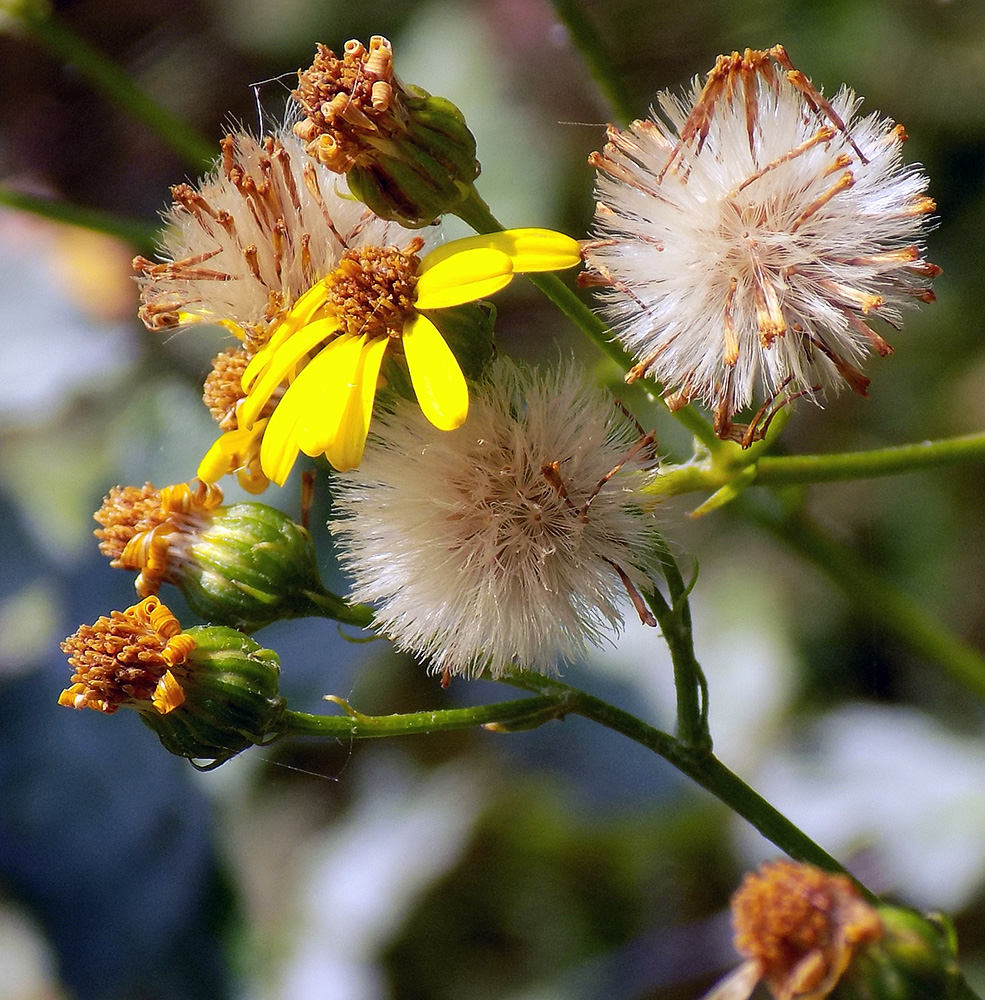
[471,556]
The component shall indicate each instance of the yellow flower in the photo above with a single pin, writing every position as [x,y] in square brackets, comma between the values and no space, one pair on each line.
[325,353]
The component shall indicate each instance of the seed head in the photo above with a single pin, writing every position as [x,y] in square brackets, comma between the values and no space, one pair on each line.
[750,234]
[506,542]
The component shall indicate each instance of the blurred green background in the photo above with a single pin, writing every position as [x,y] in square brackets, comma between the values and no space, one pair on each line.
[559,863]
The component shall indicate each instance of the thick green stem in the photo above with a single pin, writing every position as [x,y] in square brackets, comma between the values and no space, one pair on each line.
[893,608]
[330,605]
[106,77]
[674,619]
[785,471]
[139,234]
[727,463]
[501,716]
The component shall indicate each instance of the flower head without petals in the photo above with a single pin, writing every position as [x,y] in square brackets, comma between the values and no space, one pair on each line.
[798,928]
[409,156]
[319,291]
[244,565]
[748,238]
[506,542]
[208,692]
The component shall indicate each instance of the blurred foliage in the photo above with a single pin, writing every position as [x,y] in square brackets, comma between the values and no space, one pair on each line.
[581,867]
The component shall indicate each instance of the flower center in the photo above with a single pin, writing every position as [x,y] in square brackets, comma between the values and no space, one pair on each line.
[371,292]
[120,660]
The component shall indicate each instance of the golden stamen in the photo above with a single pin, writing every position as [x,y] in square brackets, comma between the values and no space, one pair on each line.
[121,659]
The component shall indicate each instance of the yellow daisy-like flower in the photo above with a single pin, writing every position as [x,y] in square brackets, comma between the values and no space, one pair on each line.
[324,355]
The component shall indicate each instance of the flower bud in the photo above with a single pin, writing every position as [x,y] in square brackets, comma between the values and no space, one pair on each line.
[208,692]
[245,565]
[408,156]
[915,959]
[810,934]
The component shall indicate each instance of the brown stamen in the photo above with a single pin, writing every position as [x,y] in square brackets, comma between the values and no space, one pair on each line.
[371,292]
[122,659]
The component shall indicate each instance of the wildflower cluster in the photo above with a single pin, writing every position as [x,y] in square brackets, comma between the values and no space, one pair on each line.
[494,517]
[752,238]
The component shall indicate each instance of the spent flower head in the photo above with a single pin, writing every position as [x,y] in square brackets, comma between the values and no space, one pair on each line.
[510,541]
[208,692]
[798,927]
[808,934]
[319,290]
[244,565]
[409,156]
[749,235]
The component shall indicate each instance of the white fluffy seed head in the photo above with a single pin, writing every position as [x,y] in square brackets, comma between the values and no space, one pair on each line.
[471,554]
[756,259]
[253,236]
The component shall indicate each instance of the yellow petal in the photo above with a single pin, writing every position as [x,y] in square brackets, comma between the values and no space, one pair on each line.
[437,378]
[168,694]
[307,416]
[299,316]
[463,277]
[327,390]
[279,447]
[529,249]
[280,366]
[346,451]
[229,451]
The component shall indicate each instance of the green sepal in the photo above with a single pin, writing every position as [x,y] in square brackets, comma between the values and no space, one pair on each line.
[230,684]
[252,566]
[915,959]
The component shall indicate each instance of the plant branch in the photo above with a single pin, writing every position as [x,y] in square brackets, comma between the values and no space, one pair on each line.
[700,766]
[674,619]
[138,234]
[106,77]
[501,716]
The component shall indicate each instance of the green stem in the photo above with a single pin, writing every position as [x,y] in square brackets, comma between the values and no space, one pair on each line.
[586,40]
[554,700]
[329,605]
[699,765]
[503,715]
[674,619]
[106,77]
[728,461]
[895,609]
[784,471]
[139,234]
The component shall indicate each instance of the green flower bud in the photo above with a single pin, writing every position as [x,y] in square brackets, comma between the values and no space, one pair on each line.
[408,156]
[245,565]
[915,959]
[209,692]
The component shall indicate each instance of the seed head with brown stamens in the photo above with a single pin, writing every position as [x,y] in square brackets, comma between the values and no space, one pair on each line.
[750,236]
[252,238]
